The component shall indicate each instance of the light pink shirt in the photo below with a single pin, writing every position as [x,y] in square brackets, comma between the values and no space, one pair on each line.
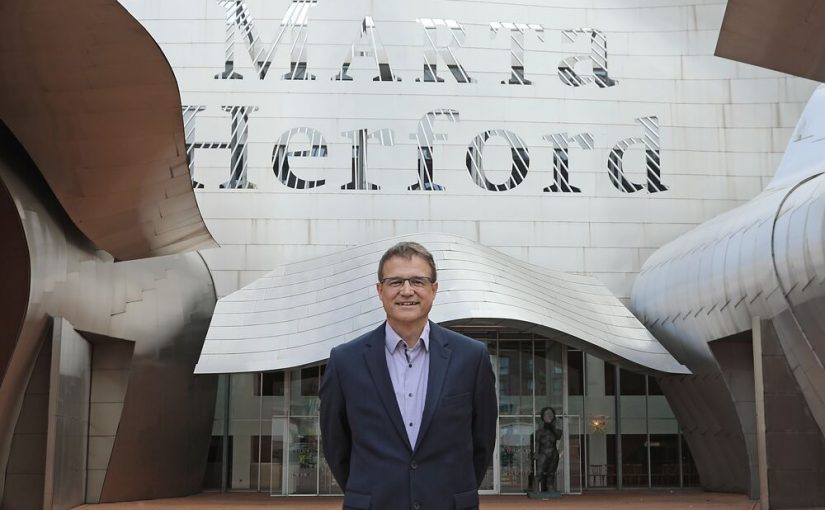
[409,372]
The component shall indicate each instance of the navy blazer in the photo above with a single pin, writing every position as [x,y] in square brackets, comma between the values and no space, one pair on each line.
[365,442]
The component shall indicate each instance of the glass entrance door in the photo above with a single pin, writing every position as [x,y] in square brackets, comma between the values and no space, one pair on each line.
[570,467]
[530,376]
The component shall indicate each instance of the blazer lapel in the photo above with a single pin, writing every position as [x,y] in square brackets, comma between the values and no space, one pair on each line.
[439,361]
[377,365]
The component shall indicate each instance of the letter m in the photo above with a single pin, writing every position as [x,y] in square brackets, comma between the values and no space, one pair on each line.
[239,21]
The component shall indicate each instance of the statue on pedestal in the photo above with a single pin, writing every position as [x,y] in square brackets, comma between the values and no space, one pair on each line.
[545,453]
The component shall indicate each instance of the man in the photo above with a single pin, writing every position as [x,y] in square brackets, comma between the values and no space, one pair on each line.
[408,410]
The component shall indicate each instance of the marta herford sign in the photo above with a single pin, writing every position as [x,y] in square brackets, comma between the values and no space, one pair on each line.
[252,57]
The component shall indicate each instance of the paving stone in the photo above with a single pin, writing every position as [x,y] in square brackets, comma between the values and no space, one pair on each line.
[662,499]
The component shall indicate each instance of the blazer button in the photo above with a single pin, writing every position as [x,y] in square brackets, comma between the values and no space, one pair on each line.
[413,465]
[416,505]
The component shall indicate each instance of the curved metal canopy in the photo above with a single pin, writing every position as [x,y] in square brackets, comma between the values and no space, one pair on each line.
[102,122]
[753,261]
[295,314]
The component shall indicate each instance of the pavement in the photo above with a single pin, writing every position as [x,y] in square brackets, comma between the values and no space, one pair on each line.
[596,500]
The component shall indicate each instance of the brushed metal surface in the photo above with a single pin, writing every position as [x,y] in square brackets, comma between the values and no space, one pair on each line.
[95,103]
[68,429]
[111,365]
[735,357]
[794,447]
[756,260]
[15,289]
[707,414]
[162,304]
[763,259]
[759,260]
[26,466]
[295,314]
[784,36]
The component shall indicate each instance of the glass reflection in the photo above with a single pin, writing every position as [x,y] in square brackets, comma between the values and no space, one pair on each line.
[664,460]
[549,374]
[303,391]
[303,456]
[273,441]
[244,427]
[575,456]
[273,473]
[514,453]
[515,378]
[327,483]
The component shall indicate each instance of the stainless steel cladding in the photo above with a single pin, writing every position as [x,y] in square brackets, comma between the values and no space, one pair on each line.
[92,170]
[758,260]
[763,260]
[295,314]
[162,305]
[115,152]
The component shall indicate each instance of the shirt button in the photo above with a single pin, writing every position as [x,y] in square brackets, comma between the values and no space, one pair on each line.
[410,365]
[411,423]
[409,395]
[414,465]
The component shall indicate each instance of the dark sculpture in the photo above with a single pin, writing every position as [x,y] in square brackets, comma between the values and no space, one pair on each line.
[547,457]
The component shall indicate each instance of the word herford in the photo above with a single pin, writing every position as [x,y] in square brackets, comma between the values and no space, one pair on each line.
[425,137]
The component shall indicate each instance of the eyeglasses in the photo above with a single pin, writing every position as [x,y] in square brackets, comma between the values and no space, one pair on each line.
[416,282]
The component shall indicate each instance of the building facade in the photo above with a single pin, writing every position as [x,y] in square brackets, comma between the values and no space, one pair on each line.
[269,424]
[641,135]
[581,171]
[104,313]
[535,322]
[574,137]
[578,138]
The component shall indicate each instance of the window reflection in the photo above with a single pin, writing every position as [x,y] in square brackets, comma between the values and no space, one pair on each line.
[269,384]
[664,460]
[514,453]
[303,395]
[273,442]
[326,483]
[212,479]
[515,378]
[303,456]
[575,373]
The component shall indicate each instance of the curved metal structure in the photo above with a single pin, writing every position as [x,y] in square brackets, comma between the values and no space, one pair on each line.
[93,100]
[97,397]
[295,314]
[764,260]
[15,254]
[759,260]
[775,35]
[162,306]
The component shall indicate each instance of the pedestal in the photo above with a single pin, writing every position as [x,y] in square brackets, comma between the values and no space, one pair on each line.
[544,495]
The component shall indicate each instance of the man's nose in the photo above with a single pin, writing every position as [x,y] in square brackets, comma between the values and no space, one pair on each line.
[406,288]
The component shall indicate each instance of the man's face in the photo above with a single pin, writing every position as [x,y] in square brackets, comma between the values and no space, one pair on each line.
[407,304]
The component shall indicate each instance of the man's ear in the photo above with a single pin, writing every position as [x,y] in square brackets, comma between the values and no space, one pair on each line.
[435,287]
[378,288]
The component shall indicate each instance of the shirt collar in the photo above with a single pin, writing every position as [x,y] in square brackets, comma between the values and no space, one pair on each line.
[392,338]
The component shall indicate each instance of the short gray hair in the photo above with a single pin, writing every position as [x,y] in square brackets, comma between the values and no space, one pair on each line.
[407,250]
